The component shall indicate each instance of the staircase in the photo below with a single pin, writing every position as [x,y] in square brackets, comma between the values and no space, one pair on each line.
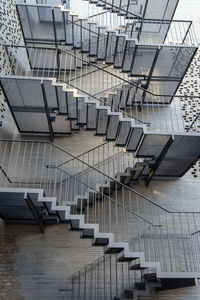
[138,236]
[137,47]
[135,9]
[108,75]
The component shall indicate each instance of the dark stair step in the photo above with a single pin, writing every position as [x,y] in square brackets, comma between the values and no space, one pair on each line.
[139,286]
[136,267]
[74,225]
[100,241]
[87,233]
[150,277]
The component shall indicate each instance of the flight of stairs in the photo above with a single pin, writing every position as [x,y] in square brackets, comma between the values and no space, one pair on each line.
[136,260]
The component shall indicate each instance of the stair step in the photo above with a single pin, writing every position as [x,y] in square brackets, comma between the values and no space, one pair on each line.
[111,250]
[139,286]
[121,258]
[87,233]
[74,225]
[100,241]
[136,267]
[150,277]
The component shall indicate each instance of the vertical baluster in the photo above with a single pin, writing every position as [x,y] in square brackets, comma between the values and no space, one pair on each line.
[34,183]
[42,181]
[15,172]
[30,155]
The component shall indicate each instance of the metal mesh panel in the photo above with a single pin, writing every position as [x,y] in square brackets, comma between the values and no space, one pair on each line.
[61,100]
[119,52]
[123,133]
[135,139]
[161,88]
[166,60]
[71,106]
[154,32]
[32,122]
[161,9]
[181,155]
[112,127]
[152,145]
[143,60]
[82,111]
[110,50]
[50,94]
[22,92]
[91,116]
[129,52]
[37,22]
[59,24]
[102,121]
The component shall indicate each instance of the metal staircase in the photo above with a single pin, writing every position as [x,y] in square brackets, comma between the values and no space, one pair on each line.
[115,70]
[42,94]
[161,246]
[139,48]
[132,9]
[107,278]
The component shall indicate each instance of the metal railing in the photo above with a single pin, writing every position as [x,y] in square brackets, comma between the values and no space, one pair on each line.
[69,27]
[104,278]
[97,81]
[162,235]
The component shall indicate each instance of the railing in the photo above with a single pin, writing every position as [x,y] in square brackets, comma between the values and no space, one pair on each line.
[162,235]
[97,81]
[66,67]
[105,278]
[69,27]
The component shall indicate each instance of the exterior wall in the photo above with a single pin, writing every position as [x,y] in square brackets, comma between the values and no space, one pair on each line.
[10,34]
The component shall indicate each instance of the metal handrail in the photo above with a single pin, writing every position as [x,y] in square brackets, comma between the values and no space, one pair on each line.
[126,81]
[95,169]
[105,71]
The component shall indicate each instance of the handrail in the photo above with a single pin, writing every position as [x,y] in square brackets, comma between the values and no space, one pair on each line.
[103,70]
[88,265]
[97,164]
[126,81]
[127,187]
[97,68]
[114,201]
[88,151]
[69,9]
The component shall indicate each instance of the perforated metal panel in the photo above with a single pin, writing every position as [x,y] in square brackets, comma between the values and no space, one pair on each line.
[91,116]
[135,138]
[112,127]
[125,127]
[152,145]
[184,151]
[102,121]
